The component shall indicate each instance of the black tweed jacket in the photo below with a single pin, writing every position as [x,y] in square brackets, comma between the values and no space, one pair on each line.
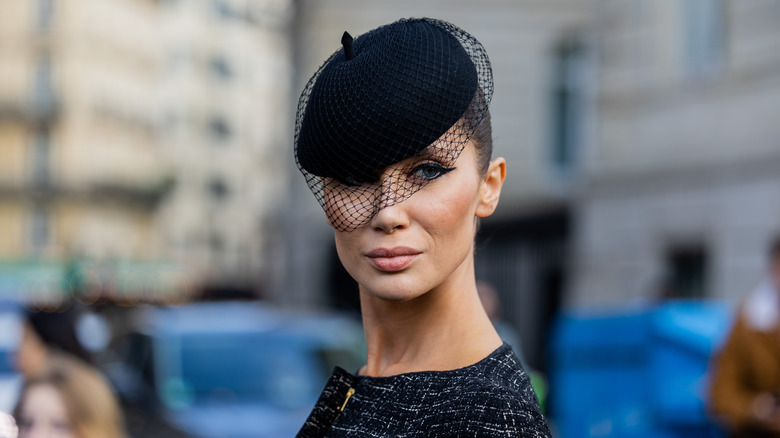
[492,398]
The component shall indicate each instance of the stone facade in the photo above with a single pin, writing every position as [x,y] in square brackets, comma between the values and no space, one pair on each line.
[682,191]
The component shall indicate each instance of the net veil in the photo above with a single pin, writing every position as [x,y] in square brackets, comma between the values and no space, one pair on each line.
[388,113]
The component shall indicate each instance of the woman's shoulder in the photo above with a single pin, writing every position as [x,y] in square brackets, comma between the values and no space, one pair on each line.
[500,407]
[484,407]
[494,395]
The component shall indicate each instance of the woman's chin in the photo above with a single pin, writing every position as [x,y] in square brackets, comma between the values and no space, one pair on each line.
[395,294]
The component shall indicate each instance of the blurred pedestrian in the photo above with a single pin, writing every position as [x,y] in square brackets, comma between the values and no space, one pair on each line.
[68,399]
[393,137]
[47,334]
[745,388]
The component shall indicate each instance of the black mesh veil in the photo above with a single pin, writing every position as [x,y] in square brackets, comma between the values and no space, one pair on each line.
[382,108]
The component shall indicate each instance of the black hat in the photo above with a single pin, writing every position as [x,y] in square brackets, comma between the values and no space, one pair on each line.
[383,98]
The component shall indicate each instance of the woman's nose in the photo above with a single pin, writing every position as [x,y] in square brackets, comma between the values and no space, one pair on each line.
[390,218]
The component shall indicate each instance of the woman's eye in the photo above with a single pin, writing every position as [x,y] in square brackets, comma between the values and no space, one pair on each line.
[430,171]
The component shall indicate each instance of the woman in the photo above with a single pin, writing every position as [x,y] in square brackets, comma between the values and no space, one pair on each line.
[393,136]
[68,399]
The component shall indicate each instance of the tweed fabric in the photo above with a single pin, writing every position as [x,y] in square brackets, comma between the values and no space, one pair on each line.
[492,398]
[328,405]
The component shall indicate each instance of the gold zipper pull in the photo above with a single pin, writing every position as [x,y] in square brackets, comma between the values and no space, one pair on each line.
[349,394]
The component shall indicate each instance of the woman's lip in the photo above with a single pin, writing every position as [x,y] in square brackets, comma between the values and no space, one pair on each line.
[392,252]
[393,259]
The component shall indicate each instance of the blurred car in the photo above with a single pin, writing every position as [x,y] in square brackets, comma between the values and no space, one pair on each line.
[232,369]
[10,335]
[637,372]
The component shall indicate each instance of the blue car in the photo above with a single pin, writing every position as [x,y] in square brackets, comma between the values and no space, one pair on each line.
[236,370]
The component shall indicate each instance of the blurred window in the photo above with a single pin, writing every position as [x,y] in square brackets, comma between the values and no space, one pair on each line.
[44,15]
[219,128]
[704,33]
[568,103]
[223,9]
[218,188]
[220,68]
[39,228]
[40,157]
[43,97]
[227,10]
[216,242]
[220,8]
[687,268]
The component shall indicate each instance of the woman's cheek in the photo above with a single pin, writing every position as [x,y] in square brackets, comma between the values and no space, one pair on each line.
[348,251]
[348,207]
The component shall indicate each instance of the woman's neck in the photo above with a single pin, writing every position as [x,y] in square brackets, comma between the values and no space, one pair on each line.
[443,329]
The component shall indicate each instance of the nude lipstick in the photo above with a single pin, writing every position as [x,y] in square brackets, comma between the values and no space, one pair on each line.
[393,259]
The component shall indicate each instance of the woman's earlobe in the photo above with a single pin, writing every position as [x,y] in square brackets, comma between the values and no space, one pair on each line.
[490,191]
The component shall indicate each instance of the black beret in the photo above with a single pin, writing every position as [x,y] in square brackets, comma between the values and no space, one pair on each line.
[396,91]
[412,88]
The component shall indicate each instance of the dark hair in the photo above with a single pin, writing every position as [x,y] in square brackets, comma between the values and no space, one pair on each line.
[483,142]
[57,330]
[481,138]
[477,115]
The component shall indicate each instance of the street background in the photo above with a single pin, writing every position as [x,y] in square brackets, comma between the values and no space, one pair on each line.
[146,166]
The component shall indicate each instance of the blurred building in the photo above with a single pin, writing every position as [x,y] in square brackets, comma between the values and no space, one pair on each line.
[226,78]
[137,136]
[81,165]
[680,193]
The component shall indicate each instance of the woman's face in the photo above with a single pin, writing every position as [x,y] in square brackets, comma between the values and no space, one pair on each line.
[43,414]
[427,240]
[31,356]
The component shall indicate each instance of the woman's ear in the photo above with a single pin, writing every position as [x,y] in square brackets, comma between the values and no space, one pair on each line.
[490,189]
